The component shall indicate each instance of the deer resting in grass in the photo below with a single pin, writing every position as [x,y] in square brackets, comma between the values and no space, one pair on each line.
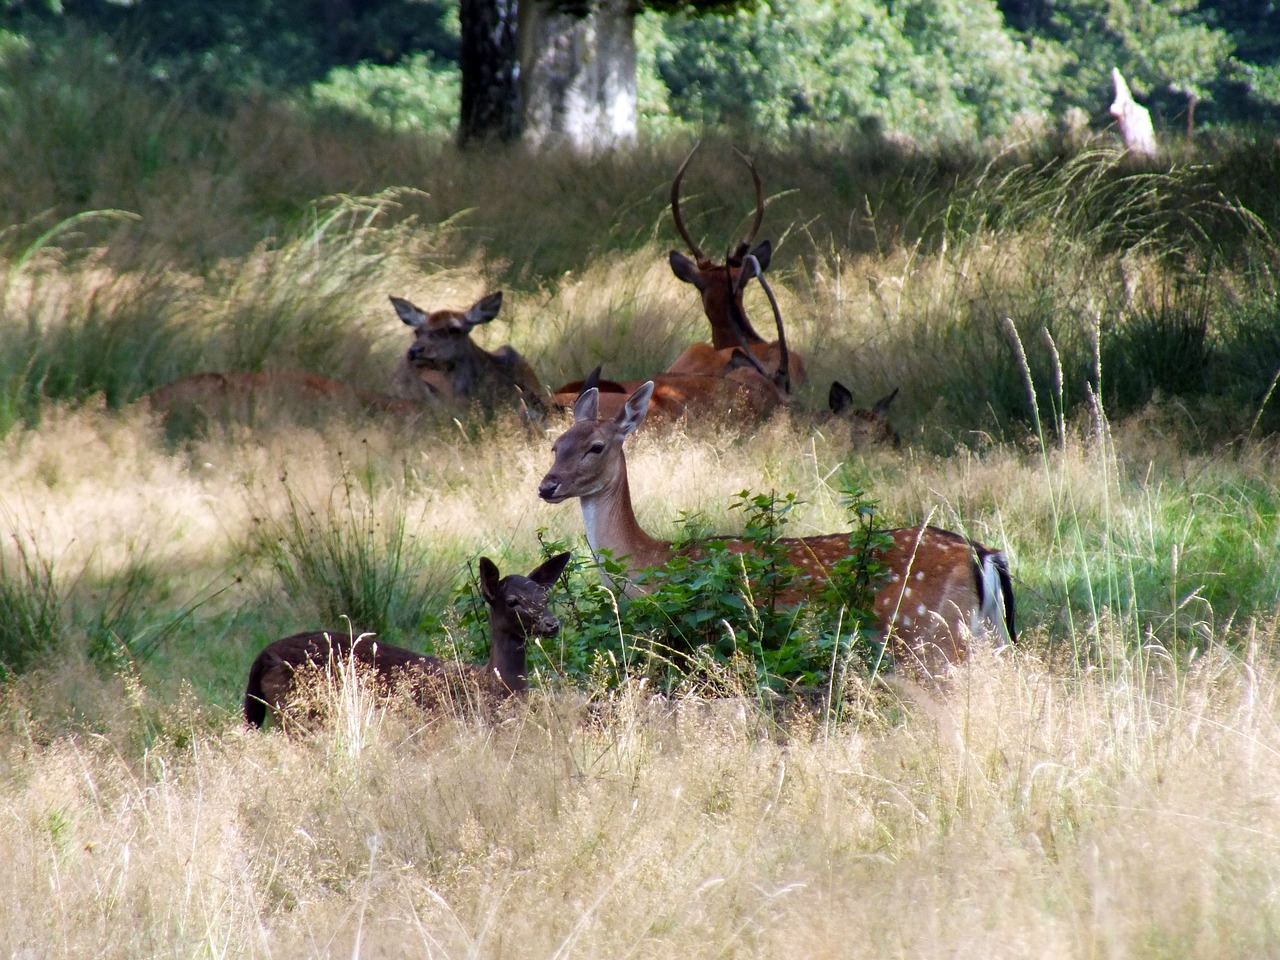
[721,286]
[940,588]
[444,361]
[517,610]
[866,426]
[740,392]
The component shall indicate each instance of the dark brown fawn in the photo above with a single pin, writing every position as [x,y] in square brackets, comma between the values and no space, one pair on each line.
[866,426]
[721,286]
[444,361]
[940,588]
[517,610]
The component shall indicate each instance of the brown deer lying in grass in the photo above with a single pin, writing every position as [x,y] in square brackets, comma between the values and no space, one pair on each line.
[721,286]
[517,609]
[866,426]
[443,361]
[740,393]
[442,367]
[940,588]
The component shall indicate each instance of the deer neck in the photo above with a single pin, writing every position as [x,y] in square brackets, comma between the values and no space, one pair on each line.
[507,660]
[612,525]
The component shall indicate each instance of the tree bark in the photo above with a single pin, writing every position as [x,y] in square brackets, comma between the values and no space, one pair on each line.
[490,107]
[578,74]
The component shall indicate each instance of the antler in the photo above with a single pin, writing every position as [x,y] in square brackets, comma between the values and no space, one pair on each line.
[755,177]
[675,207]
[782,376]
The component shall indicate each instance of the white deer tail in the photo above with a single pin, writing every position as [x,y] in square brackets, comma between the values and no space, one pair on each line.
[995,612]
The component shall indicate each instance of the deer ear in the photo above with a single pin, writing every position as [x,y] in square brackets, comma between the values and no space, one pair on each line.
[838,397]
[587,406]
[489,578]
[485,309]
[763,254]
[549,572]
[685,269]
[632,413]
[408,312]
[882,405]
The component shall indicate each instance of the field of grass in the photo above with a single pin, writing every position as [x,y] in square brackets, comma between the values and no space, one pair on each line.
[1086,350]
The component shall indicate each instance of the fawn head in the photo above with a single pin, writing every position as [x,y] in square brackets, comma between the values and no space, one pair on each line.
[442,340]
[588,456]
[518,605]
[870,426]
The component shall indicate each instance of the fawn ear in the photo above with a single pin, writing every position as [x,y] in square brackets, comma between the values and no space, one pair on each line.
[838,397]
[408,312]
[484,309]
[587,406]
[489,578]
[632,413]
[882,405]
[549,572]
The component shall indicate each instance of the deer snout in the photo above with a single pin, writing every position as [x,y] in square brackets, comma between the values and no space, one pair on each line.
[549,490]
[548,625]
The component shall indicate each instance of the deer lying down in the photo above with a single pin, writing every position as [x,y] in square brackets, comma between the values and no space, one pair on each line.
[517,609]
[939,589]
[443,362]
[739,393]
[865,426]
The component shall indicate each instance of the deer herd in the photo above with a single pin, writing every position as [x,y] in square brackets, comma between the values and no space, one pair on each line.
[938,591]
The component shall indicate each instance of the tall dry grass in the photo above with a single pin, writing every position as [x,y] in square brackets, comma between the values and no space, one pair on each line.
[1023,811]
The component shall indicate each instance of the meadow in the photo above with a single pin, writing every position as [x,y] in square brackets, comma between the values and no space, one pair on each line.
[1086,351]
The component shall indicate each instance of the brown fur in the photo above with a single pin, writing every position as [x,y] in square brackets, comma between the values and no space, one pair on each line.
[939,585]
[443,360]
[517,609]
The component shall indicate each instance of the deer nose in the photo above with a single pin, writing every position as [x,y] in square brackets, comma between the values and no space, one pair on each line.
[549,489]
[549,626]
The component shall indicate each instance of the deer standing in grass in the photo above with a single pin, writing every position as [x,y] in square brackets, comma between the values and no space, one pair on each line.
[444,362]
[721,286]
[517,610]
[940,588]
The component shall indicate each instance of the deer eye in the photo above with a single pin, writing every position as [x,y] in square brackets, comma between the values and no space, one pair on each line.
[513,602]
[597,447]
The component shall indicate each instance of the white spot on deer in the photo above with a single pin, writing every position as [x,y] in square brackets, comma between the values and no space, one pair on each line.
[906,621]
[906,592]
[895,578]
[920,609]
[920,575]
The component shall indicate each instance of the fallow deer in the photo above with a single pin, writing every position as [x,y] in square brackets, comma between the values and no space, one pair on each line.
[517,610]
[867,426]
[444,359]
[740,393]
[721,287]
[940,587]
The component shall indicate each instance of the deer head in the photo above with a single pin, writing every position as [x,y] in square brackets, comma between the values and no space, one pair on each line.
[868,425]
[442,340]
[721,285]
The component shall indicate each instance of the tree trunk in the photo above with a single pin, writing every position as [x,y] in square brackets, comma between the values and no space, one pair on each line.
[490,107]
[578,74]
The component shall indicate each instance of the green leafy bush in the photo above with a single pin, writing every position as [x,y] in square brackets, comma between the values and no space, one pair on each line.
[712,599]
